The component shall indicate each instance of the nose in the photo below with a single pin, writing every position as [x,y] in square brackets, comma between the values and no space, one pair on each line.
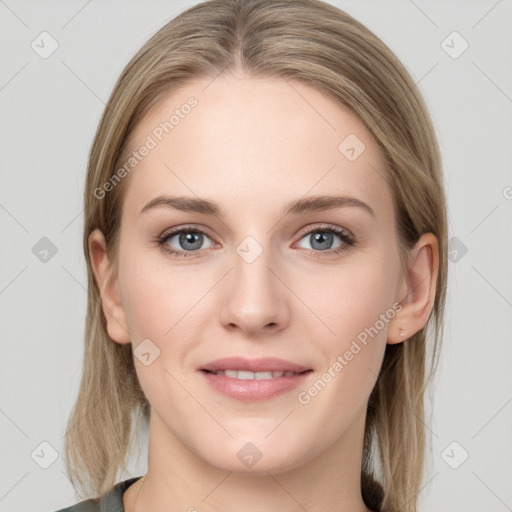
[254,299]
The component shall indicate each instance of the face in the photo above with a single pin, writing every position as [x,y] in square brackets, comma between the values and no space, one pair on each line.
[247,276]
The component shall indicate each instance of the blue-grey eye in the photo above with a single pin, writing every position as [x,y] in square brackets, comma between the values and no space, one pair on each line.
[183,240]
[323,240]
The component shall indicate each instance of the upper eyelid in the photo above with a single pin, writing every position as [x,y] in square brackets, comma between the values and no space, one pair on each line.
[325,227]
[187,227]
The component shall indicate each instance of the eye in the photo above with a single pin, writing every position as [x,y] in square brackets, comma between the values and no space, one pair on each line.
[329,240]
[184,241]
[187,241]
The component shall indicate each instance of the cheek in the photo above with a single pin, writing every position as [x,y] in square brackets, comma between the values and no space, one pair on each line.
[159,305]
[347,299]
[352,306]
[151,307]
[351,336]
[155,295]
[170,306]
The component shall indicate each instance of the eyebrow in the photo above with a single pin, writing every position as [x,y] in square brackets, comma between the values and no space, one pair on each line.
[302,205]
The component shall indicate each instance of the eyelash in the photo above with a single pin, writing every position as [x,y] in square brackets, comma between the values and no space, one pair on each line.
[347,239]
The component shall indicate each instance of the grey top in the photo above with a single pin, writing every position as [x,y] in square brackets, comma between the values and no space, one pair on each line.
[111,501]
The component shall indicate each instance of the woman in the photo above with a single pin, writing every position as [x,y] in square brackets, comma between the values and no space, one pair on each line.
[265,235]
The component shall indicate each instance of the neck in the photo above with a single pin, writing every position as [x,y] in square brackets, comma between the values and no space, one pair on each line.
[179,480]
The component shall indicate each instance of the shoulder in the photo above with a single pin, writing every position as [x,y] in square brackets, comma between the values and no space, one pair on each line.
[90,505]
[111,501]
[84,506]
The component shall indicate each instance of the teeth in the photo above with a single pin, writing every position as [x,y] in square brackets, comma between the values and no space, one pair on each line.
[246,375]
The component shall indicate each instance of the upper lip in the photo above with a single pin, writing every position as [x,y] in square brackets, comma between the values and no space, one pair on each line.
[264,364]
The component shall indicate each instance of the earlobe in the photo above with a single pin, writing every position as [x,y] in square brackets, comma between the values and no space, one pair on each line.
[107,283]
[418,290]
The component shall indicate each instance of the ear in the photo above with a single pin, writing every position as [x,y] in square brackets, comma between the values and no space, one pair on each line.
[106,279]
[417,290]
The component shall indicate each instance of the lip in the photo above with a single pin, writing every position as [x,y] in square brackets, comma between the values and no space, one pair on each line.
[265,364]
[255,389]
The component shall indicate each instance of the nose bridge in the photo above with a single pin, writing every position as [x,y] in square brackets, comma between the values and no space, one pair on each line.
[255,298]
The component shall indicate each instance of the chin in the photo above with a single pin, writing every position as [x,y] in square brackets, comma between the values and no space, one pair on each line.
[255,458]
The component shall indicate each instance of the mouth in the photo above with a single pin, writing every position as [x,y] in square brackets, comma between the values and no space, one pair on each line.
[251,380]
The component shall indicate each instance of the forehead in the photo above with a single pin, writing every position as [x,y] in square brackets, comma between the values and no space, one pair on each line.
[251,143]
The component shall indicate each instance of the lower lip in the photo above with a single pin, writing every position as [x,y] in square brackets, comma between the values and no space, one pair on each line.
[251,390]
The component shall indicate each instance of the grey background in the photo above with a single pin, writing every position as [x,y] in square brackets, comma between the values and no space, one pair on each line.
[50,108]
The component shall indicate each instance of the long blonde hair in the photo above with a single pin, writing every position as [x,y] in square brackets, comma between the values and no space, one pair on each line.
[324,47]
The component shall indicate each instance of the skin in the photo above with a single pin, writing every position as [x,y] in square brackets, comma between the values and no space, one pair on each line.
[252,145]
